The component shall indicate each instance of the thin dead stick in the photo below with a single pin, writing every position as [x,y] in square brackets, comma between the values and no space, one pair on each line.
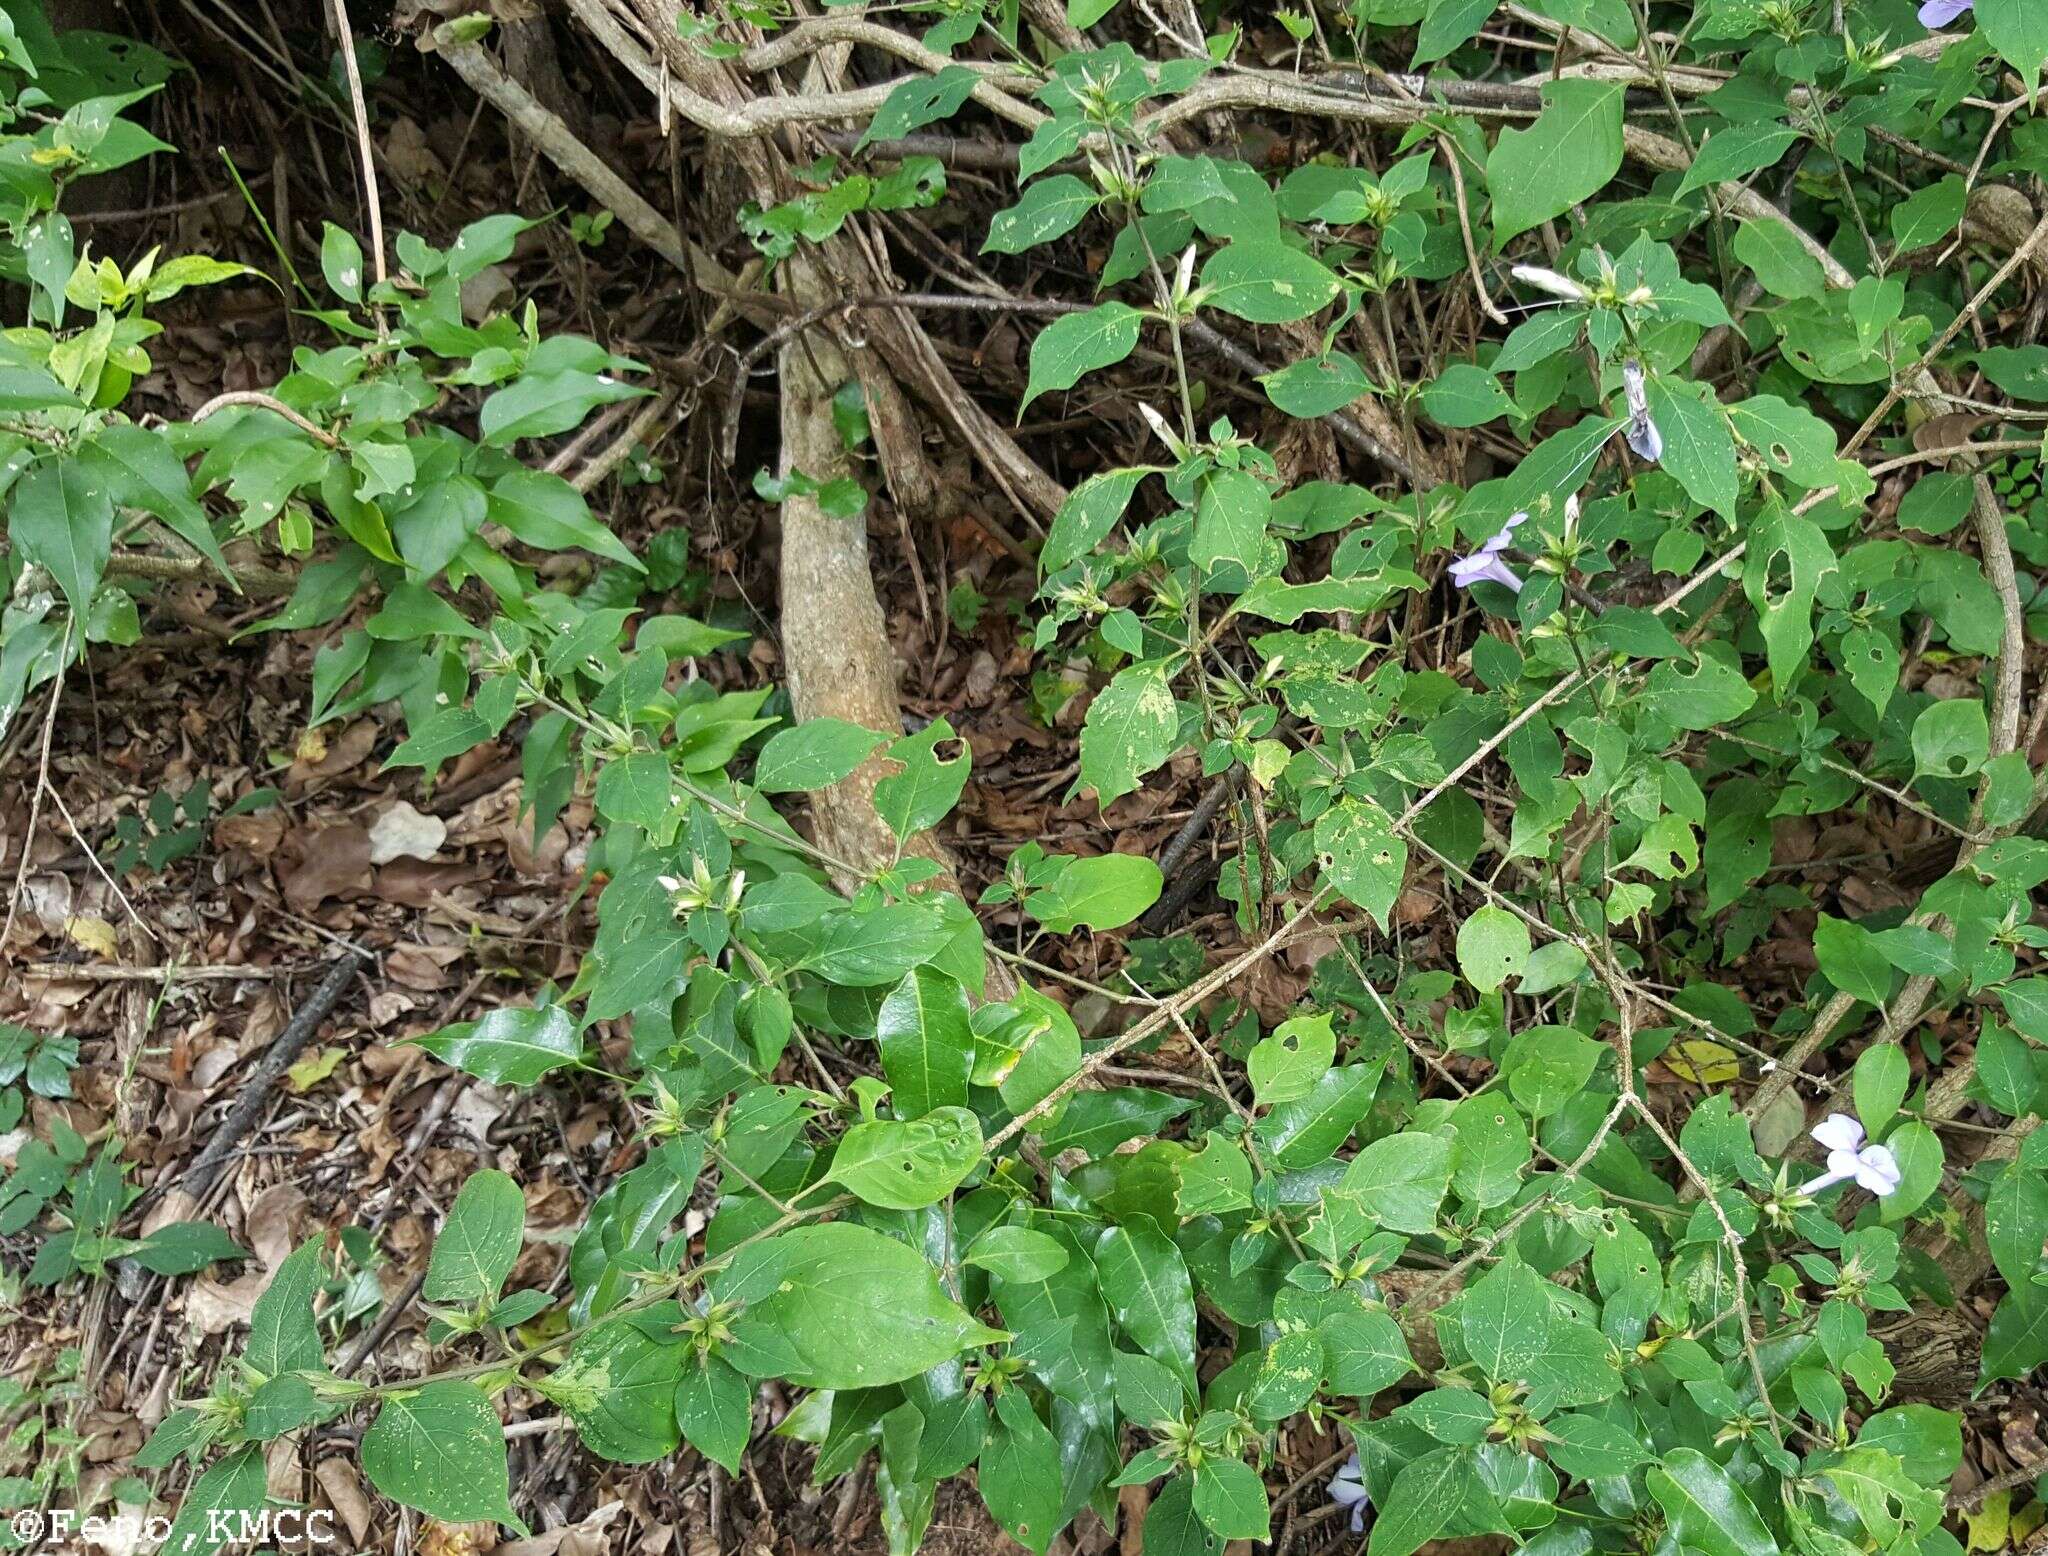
[271,403]
[35,810]
[170,972]
[278,1058]
[346,40]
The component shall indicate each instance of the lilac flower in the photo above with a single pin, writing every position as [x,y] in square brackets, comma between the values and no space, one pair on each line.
[1643,435]
[1485,563]
[1873,1167]
[1347,1489]
[1939,13]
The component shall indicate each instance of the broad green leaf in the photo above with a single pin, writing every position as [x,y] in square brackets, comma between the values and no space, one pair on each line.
[1951,739]
[1400,1180]
[1880,1076]
[919,101]
[1493,946]
[1698,447]
[479,1242]
[1317,386]
[549,514]
[1361,855]
[1146,1285]
[928,786]
[440,1448]
[1016,1253]
[1850,961]
[1707,1511]
[1020,1473]
[1466,396]
[2018,29]
[1566,156]
[1088,515]
[715,1411]
[1102,893]
[1070,348]
[538,405]
[908,1164]
[514,1045]
[855,1310]
[230,1488]
[1264,281]
[183,1247]
[926,1042]
[1050,208]
[1736,151]
[1428,1494]
[1230,1500]
[63,518]
[1286,1066]
[282,1335]
[1132,726]
[813,755]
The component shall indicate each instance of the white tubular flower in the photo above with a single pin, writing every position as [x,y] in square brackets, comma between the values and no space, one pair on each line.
[1872,1167]
[1643,435]
[1549,281]
[1347,1489]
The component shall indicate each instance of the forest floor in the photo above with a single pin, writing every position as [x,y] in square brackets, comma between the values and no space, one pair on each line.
[174,975]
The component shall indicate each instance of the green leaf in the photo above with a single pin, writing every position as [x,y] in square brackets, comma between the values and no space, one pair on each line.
[233,1486]
[341,263]
[2007,1075]
[1735,152]
[538,405]
[63,519]
[480,1241]
[1020,1473]
[855,1310]
[1466,396]
[1263,281]
[928,786]
[908,1164]
[444,733]
[1361,855]
[2018,29]
[1951,739]
[1851,961]
[514,1045]
[1928,215]
[1132,726]
[1880,1078]
[1566,156]
[441,1449]
[549,514]
[282,1335]
[1102,893]
[1917,1149]
[1146,1284]
[185,1246]
[1450,24]
[1286,1066]
[1493,946]
[814,755]
[1050,208]
[926,1041]
[1069,348]
[1088,515]
[1173,1528]
[1016,1253]
[1400,1180]
[1317,386]
[1707,1511]
[2016,1214]
[139,470]
[919,101]
[1230,1500]
[1779,260]
[715,1410]
[1427,1495]
[1698,447]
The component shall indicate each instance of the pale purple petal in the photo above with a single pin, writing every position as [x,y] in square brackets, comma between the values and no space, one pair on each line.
[1643,435]
[1347,1489]
[1485,567]
[1839,1132]
[1939,13]
[1878,1170]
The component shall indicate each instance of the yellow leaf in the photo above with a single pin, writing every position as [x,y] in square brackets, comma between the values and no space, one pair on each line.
[1704,1063]
[93,934]
[308,1073]
[1991,1525]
